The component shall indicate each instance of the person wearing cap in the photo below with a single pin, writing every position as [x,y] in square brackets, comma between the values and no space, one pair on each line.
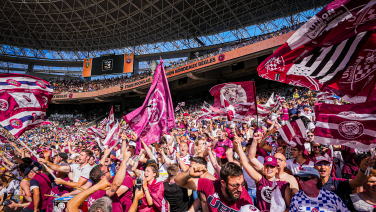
[80,171]
[299,160]
[264,182]
[281,159]
[61,158]
[40,186]
[313,197]
[341,187]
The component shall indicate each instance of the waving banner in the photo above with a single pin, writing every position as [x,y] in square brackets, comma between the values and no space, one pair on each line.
[352,125]
[334,50]
[240,95]
[23,102]
[294,133]
[156,115]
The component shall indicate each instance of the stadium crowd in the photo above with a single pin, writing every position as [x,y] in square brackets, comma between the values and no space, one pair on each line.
[210,165]
[78,85]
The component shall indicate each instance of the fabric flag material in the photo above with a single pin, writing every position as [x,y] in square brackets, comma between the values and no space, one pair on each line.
[111,118]
[112,138]
[156,115]
[277,203]
[334,50]
[261,111]
[241,95]
[352,125]
[23,102]
[294,133]
[181,104]
[229,109]
[104,121]
[95,132]
[177,108]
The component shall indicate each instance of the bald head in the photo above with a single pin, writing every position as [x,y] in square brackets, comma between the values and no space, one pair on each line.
[281,159]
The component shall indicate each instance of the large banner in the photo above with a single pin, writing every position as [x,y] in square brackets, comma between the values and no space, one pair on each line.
[113,64]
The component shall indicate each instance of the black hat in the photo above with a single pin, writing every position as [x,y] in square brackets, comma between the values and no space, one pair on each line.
[28,169]
[63,155]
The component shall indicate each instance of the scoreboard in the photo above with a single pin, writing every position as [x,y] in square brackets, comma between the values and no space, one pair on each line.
[106,65]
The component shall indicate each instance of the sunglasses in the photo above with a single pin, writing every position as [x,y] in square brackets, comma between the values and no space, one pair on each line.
[322,164]
[305,179]
[309,136]
[237,185]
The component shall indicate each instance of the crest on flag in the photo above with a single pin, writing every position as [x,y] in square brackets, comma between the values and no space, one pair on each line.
[23,102]
[334,50]
[155,113]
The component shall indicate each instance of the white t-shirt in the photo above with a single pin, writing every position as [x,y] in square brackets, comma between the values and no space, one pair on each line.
[213,133]
[295,167]
[13,187]
[78,172]
[326,201]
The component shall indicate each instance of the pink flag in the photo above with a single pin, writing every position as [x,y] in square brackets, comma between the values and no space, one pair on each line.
[104,121]
[352,125]
[229,109]
[181,104]
[156,115]
[112,138]
[334,50]
[94,131]
[177,108]
[240,95]
[111,118]
[23,102]
[261,111]
[294,133]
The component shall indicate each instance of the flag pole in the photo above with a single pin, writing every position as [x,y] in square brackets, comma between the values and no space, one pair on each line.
[48,169]
[255,98]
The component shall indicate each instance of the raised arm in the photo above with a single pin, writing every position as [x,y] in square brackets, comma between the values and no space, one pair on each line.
[120,175]
[54,167]
[76,201]
[360,176]
[248,168]
[185,179]
[252,153]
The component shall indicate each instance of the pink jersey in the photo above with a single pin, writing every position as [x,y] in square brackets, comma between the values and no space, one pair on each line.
[215,199]
[285,114]
[264,191]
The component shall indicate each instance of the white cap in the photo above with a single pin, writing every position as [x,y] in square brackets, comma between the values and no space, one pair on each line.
[248,208]
[132,143]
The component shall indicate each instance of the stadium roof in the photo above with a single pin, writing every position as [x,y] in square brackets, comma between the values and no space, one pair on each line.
[96,25]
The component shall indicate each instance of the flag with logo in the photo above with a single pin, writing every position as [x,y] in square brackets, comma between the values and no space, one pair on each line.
[3,140]
[228,109]
[23,102]
[294,133]
[240,95]
[352,125]
[111,118]
[156,115]
[335,50]
[182,104]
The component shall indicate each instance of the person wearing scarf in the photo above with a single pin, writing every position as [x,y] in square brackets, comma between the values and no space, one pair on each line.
[153,198]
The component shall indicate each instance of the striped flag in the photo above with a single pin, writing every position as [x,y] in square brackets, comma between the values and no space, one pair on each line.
[177,108]
[95,132]
[294,133]
[333,51]
[112,138]
[352,125]
[181,104]
[23,102]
